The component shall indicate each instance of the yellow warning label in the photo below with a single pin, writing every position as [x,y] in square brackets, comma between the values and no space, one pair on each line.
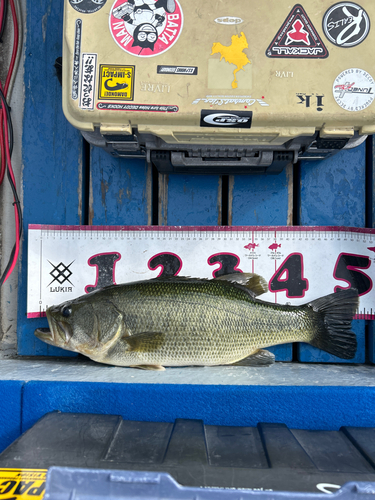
[116,82]
[25,484]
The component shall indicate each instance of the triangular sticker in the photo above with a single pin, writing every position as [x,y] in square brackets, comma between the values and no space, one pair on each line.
[297,38]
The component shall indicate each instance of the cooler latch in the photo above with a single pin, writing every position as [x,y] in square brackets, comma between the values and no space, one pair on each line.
[322,148]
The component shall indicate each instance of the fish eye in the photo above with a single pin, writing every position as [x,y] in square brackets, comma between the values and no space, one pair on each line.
[66,312]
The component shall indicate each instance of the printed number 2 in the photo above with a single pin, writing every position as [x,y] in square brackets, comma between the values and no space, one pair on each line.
[169,263]
[346,269]
[289,277]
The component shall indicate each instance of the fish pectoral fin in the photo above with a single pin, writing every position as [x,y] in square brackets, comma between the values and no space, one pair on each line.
[158,368]
[259,358]
[145,342]
[254,283]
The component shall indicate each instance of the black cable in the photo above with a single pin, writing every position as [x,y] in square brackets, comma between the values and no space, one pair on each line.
[9,119]
[4,20]
[17,203]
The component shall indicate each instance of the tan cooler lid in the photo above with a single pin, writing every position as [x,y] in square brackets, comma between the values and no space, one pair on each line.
[240,72]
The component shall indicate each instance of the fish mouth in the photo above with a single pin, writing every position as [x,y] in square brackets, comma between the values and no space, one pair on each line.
[44,334]
[59,333]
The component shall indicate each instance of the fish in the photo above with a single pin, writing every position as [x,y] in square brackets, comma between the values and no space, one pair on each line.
[251,246]
[183,321]
[274,246]
[118,86]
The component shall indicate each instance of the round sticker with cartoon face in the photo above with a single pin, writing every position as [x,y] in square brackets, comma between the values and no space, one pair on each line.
[87,6]
[145,28]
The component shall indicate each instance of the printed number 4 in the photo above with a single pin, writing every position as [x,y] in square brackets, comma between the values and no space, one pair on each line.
[289,277]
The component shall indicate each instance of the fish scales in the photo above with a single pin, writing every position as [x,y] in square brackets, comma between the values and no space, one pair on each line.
[177,322]
[210,322]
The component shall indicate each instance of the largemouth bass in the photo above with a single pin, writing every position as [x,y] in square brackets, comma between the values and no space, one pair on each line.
[187,321]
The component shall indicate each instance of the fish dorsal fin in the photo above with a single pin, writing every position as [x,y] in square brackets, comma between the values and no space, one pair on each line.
[259,358]
[253,282]
[145,342]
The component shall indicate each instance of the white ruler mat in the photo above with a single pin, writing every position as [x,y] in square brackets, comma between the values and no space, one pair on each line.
[299,263]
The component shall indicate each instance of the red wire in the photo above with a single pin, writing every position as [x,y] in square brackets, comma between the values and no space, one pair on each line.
[7,152]
[4,144]
[2,10]
[9,76]
[2,148]
[15,47]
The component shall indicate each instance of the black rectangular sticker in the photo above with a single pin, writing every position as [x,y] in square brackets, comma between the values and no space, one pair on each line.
[177,70]
[226,119]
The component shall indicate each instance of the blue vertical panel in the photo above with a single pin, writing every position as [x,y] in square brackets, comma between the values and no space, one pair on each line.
[333,194]
[190,200]
[324,408]
[262,200]
[120,190]
[52,152]
[10,411]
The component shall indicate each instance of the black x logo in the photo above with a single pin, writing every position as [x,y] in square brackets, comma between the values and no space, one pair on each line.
[61,273]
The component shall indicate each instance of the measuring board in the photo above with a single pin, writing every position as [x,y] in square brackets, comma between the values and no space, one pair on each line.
[299,263]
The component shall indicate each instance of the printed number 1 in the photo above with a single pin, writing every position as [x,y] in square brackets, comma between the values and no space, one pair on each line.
[289,277]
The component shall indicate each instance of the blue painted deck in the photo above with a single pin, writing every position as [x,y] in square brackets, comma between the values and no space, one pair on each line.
[59,187]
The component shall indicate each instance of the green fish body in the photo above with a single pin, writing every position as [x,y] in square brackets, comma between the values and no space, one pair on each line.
[187,321]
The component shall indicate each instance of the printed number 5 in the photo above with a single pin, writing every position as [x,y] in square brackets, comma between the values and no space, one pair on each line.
[347,269]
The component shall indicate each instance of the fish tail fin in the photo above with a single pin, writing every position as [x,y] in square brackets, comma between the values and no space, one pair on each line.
[334,333]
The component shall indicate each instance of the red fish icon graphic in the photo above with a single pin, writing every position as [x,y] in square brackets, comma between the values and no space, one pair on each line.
[297,34]
[274,246]
[251,246]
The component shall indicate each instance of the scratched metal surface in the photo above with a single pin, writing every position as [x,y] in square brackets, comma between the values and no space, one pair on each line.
[65,182]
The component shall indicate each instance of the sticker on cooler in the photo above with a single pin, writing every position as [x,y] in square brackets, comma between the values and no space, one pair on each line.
[346,24]
[76,59]
[228,20]
[88,81]
[87,6]
[297,38]
[237,119]
[116,82]
[233,55]
[219,100]
[353,89]
[145,28]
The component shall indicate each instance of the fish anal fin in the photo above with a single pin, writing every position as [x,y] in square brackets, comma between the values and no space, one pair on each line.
[145,342]
[254,283]
[158,368]
[258,358]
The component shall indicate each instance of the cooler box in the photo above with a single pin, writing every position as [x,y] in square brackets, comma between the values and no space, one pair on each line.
[224,87]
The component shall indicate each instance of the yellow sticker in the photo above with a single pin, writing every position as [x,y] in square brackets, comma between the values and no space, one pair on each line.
[25,484]
[233,54]
[116,82]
